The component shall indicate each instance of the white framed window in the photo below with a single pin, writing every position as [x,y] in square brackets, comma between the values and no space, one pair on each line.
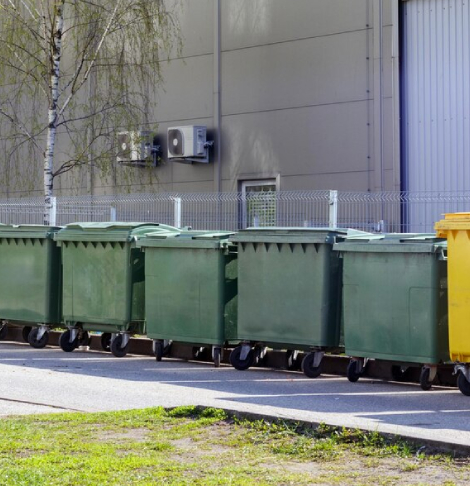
[259,207]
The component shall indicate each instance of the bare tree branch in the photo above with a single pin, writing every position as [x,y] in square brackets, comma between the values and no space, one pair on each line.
[19,126]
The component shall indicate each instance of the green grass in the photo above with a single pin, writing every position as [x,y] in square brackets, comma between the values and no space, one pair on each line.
[190,445]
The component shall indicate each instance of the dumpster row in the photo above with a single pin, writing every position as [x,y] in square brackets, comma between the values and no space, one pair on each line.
[309,290]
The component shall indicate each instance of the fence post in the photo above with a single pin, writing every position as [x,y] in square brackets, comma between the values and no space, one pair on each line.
[112,213]
[333,209]
[177,202]
[53,213]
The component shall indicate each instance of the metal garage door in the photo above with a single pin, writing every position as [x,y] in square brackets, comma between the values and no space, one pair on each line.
[436,82]
[436,96]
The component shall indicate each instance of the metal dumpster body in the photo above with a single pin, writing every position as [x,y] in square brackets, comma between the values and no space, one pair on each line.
[104,280]
[289,293]
[30,290]
[395,301]
[191,289]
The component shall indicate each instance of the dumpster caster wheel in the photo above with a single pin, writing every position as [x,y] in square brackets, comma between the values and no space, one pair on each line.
[198,352]
[424,381]
[65,343]
[292,362]
[217,354]
[34,341]
[159,350]
[106,341]
[3,332]
[308,367]
[352,373]
[25,333]
[464,384]
[116,347]
[85,339]
[238,363]
[399,373]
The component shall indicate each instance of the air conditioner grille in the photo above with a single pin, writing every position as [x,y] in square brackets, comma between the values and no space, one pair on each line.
[124,146]
[175,142]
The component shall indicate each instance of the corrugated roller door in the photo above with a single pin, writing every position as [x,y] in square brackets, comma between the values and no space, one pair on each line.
[436,90]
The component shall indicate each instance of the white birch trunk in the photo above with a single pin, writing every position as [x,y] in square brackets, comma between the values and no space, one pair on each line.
[56,48]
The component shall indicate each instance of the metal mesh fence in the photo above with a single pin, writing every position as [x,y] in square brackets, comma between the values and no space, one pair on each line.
[22,211]
[378,212]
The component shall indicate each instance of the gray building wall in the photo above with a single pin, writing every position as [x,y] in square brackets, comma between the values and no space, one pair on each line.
[308,94]
[304,92]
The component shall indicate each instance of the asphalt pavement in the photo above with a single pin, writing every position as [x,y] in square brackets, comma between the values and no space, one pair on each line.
[50,380]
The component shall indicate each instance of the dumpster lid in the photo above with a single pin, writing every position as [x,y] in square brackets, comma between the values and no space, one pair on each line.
[453,221]
[28,231]
[110,231]
[186,239]
[293,235]
[393,243]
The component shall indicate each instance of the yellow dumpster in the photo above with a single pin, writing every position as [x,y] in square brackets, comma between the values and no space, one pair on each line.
[456,228]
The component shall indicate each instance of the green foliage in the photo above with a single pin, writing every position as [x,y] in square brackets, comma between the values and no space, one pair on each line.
[107,58]
[188,411]
[213,413]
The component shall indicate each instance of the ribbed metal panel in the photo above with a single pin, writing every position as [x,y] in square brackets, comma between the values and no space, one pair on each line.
[436,82]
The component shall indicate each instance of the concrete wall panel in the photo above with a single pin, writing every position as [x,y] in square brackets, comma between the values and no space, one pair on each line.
[308,72]
[314,140]
[195,19]
[187,90]
[260,22]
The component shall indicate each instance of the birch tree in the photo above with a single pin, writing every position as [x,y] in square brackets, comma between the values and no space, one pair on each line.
[81,70]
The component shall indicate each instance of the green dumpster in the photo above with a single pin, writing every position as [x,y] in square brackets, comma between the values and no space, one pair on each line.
[30,287]
[103,282]
[289,289]
[190,290]
[395,303]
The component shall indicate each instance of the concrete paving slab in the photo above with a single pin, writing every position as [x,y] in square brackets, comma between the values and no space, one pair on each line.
[40,381]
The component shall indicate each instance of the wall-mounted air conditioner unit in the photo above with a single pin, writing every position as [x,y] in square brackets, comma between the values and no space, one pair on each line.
[188,144]
[136,148]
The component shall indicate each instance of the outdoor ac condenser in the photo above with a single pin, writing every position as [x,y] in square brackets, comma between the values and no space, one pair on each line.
[188,143]
[134,147]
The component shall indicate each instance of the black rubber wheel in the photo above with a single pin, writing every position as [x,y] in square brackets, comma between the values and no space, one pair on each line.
[464,384]
[399,374]
[159,350]
[33,338]
[106,341]
[116,347]
[237,363]
[25,333]
[3,332]
[65,344]
[308,368]
[217,357]
[424,379]
[84,339]
[352,372]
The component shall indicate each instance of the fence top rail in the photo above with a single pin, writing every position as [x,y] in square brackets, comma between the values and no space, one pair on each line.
[343,196]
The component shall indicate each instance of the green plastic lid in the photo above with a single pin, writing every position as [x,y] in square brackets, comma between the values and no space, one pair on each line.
[28,231]
[290,235]
[186,239]
[110,231]
[393,243]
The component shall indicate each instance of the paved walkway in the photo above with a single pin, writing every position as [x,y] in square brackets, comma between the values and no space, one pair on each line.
[49,380]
